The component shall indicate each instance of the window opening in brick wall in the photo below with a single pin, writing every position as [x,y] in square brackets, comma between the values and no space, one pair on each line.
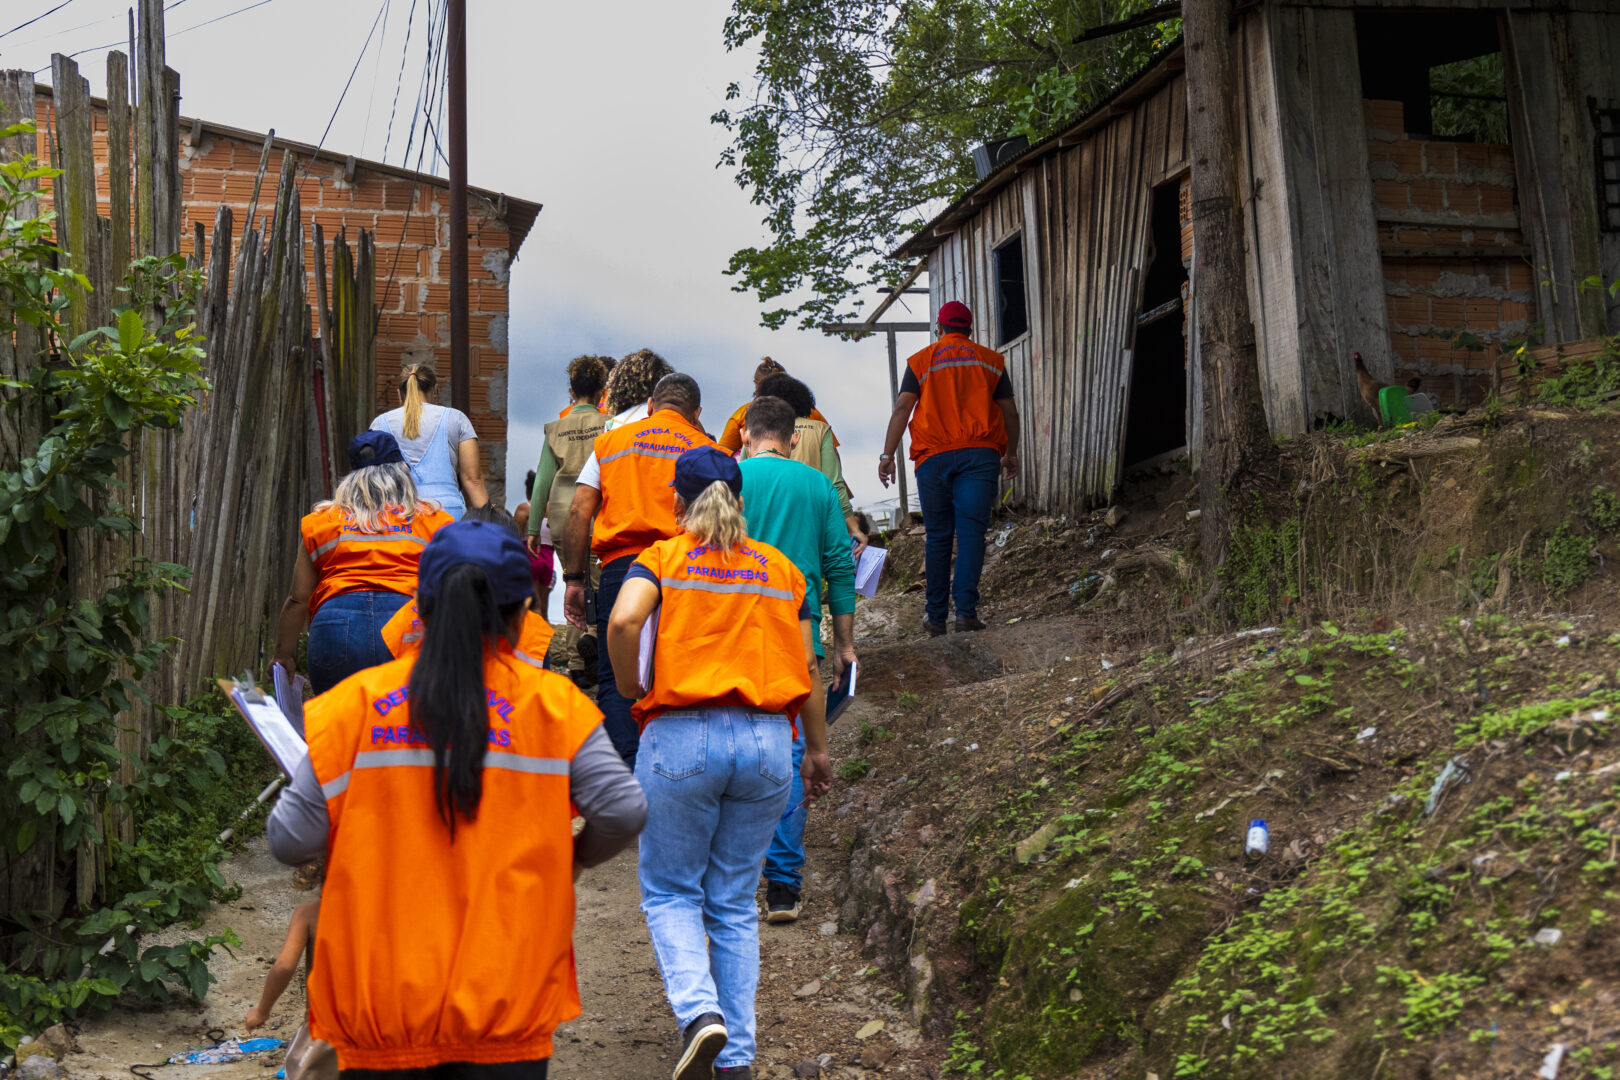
[1012,302]
[1608,165]
[1444,67]
[1156,412]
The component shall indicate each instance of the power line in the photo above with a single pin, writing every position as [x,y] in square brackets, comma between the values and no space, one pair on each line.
[399,79]
[416,178]
[376,70]
[169,36]
[383,7]
[36,18]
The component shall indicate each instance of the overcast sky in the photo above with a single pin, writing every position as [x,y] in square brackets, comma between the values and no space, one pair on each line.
[598,111]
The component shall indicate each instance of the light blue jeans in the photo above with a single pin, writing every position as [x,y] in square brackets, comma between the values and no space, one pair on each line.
[784,862]
[717,782]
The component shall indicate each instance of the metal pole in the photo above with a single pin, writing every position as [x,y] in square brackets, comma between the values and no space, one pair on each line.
[900,450]
[459,391]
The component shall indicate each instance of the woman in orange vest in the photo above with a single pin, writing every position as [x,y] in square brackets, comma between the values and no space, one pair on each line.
[358,566]
[438,786]
[733,668]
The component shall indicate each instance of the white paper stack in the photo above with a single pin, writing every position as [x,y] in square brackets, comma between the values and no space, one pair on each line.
[649,641]
[272,728]
[290,693]
[868,568]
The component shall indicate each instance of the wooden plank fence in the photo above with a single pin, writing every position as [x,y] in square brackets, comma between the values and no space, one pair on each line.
[222,495]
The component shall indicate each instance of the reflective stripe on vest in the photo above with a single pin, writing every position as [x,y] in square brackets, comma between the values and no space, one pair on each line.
[367,538]
[493,759]
[725,587]
[958,409]
[638,463]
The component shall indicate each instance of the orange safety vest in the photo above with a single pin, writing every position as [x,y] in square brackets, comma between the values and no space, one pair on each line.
[638,467]
[956,408]
[731,436]
[728,629]
[430,951]
[403,633]
[349,560]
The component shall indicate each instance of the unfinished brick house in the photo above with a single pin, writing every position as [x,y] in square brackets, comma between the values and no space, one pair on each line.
[1385,214]
[408,213]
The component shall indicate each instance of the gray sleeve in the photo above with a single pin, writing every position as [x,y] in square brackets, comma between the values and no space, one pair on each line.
[464,430]
[608,797]
[299,824]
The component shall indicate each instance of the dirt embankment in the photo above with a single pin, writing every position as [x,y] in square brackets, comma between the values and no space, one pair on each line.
[1047,833]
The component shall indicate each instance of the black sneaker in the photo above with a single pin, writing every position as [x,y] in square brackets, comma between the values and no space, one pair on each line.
[965,623]
[701,1043]
[587,651]
[735,1072]
[934,629]
[782,903]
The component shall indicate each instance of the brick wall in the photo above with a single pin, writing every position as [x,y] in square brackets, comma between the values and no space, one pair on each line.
[410,222]
[1454,255]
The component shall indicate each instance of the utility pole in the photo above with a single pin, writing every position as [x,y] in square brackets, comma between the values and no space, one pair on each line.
[459,389]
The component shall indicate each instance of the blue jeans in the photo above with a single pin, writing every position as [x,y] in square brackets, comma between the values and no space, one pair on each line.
[345,636]
[621,726]
[717,781]
[957,489]
[784,862]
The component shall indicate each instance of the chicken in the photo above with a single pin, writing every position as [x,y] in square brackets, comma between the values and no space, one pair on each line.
[1368,385]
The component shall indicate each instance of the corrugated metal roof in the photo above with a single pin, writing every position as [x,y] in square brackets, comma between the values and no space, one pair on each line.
[520,214]
[1158,71]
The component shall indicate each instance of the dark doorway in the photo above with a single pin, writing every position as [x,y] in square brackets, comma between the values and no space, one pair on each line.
[1156,414]
[1012,301]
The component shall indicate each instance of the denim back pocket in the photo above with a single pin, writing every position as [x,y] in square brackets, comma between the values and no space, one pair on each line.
[774,736]
[677,744]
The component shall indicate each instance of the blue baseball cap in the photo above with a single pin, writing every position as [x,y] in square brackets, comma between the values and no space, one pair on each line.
[701,466]
[493,548]
[373,448]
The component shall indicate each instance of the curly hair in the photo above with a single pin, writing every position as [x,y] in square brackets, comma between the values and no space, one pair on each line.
[791,390]
[586,377]
[633,379]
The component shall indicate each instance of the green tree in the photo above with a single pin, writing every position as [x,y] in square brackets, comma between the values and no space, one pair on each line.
[863,115]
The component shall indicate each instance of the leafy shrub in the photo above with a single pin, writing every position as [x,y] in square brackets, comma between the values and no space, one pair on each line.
[72,652]
[1568,561]
[1603,511]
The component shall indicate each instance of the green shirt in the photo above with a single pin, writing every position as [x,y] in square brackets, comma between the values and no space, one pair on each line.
[793,508]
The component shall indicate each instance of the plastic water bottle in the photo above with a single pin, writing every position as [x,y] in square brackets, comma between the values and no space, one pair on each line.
[1259,837]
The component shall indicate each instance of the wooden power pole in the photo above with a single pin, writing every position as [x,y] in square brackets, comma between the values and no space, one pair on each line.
[1236,438]
[459,386]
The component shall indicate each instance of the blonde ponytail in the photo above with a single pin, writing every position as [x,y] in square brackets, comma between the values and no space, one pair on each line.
[715,517]
[411,426]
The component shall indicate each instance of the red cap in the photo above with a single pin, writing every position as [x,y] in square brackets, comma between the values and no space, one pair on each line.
[956,315]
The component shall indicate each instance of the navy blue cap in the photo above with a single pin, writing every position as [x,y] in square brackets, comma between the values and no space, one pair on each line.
[701,466]
[494,548]
[373,448]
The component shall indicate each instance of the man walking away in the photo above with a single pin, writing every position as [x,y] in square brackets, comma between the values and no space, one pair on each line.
[568,446]
[795,509]
[624,485]
[964,431]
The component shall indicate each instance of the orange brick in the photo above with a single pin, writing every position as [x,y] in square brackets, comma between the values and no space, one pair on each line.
[1417,238]
[1391,194]
[1502,159]
[216,154]
[434,297]
[1439,157]
[239,187]
[367,194]
[1386,116]
[492,236]
[1426,195]
[420,229]
[393,327]
[1407,154]
[1420,273]
[1403,349]
[1434,351]
[1513,311]
[1447,237]
[434,327]
[1462,197]
[1448,312]
[206,187]
[1378,151]
[1410,310]
[1495,199]
[1473,155]
[1481,313]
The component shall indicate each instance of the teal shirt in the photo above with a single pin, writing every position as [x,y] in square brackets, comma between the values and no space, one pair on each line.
[794,508]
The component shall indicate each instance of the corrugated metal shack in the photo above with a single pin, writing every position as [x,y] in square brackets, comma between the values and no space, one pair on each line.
[1372,227]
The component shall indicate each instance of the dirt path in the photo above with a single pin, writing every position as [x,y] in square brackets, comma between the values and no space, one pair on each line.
[626,1026]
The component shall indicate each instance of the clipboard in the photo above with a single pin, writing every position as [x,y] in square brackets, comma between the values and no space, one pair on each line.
[287,748]
[648,644]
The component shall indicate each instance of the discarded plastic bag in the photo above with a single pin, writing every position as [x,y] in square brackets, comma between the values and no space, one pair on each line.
[226,1051]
